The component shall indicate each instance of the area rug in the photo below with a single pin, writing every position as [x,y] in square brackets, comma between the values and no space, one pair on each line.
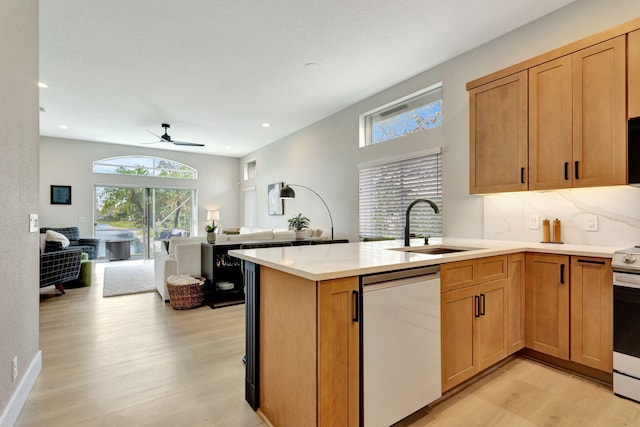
[124,279]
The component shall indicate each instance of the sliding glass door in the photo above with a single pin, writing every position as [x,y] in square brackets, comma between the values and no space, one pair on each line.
[143,215]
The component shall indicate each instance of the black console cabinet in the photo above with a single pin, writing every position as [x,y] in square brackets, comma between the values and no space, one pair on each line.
[224,285]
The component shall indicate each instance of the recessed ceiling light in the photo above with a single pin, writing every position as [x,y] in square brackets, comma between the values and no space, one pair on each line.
[63,126]
[227,147]
[42,84]
[266,125]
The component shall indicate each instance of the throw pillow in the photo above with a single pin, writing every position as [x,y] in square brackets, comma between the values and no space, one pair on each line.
[54,236]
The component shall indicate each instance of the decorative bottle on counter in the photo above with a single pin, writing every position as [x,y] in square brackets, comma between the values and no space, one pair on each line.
[557,234]
[546,231]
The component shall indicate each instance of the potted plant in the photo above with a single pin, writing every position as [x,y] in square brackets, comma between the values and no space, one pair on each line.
[211,232]
[298,223]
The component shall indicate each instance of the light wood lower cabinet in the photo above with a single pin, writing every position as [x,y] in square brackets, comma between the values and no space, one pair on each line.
[516,303]
[547,304]
[339,353]
[309,350]
[592,312]
[569,308]
[474,318]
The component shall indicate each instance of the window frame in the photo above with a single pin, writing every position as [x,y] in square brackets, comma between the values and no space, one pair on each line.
[398,106]
[155,171]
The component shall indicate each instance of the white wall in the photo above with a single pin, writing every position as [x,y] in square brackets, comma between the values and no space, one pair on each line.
[19,197]
[325,155]
[69,162]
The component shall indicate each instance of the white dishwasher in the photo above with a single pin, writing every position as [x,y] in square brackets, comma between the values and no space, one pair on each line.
[401,343]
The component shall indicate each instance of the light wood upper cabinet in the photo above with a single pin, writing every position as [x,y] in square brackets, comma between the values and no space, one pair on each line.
[550,125]
[547,304]
[516,303]
[633,74]
[498,135]
[599,115]
[592,312]
[557,124]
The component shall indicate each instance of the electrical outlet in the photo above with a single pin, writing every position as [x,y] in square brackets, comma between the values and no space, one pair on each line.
[14,364]
[590,222]
[534,222]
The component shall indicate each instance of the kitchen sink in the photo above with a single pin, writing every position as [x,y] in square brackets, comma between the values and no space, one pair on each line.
[434,250]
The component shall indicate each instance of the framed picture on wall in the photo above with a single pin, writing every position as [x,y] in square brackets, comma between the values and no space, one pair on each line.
[60,194]
[275,203]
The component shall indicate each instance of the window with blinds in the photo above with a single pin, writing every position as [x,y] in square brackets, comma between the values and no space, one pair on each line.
[250,207]
[387,189]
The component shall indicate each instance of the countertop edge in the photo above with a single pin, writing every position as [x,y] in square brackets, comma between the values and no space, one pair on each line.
[487,248]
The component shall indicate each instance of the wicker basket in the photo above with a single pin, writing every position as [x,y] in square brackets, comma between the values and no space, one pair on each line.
[184,297]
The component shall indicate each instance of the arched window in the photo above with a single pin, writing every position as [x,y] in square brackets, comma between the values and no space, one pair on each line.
[144,166]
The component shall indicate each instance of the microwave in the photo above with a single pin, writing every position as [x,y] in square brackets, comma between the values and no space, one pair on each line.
[633,151]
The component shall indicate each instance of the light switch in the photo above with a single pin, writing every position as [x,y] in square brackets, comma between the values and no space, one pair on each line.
[33,223]
[82,219]
[534,222]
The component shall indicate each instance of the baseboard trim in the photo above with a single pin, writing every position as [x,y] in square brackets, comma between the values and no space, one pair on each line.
[19,398]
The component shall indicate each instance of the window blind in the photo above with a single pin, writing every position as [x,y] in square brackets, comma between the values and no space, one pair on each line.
[250,207]
[386,190]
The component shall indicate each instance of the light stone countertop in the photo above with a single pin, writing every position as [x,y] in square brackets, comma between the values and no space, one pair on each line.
[333,261]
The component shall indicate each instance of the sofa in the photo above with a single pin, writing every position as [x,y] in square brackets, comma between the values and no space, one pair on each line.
[59,267]
[242,234]
[181,257]
[88,245]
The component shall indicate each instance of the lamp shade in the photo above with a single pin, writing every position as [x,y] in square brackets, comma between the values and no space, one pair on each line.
[287,193]
[213,215]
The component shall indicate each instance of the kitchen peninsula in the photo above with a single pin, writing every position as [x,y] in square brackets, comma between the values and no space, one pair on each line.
[304,311]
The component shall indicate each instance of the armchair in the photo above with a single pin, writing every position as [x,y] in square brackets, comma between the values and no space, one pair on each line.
[88,245]
[57,268]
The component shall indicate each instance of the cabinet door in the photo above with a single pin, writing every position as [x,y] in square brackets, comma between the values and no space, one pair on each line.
[550,130]
[516,302]
[592,312]
[339,353]
[547,304]
[459,336]
[599,114]
[491,325]
[633,73]
[498,135]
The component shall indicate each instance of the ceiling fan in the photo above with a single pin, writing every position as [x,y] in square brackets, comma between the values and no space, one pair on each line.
[167,138]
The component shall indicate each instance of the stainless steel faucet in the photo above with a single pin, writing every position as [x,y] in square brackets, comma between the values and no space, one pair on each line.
[406,221]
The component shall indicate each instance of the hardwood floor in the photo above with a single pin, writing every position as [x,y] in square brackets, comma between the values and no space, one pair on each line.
[134,361]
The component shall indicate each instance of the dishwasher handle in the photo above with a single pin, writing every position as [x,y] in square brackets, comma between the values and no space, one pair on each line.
[356,306]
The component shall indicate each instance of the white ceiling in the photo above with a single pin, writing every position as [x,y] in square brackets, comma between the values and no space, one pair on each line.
[217,69]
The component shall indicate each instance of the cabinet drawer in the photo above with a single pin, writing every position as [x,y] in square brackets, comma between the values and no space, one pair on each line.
[492,268]
[457,275]
[460,274]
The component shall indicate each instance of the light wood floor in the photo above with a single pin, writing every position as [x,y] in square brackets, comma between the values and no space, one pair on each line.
[134,361]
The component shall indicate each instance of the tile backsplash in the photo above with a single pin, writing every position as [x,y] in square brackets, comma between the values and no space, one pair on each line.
[506,216]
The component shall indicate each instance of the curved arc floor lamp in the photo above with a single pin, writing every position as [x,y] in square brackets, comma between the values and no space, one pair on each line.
[288,193]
